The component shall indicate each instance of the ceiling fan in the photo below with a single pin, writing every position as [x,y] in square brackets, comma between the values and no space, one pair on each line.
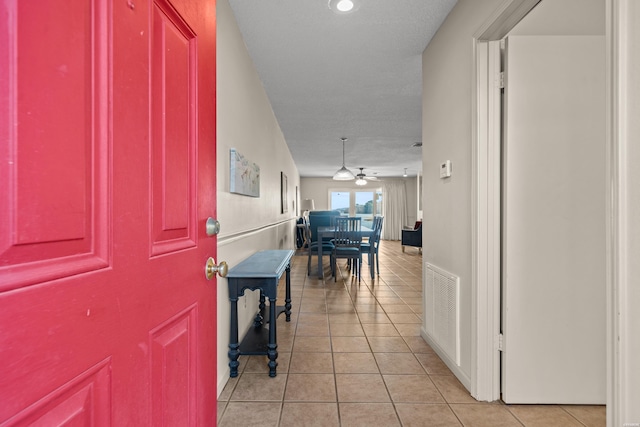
[362,178]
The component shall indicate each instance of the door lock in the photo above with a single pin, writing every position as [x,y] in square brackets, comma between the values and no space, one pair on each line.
[212,227]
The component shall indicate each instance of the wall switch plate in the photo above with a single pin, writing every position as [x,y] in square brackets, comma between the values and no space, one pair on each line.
[445,169]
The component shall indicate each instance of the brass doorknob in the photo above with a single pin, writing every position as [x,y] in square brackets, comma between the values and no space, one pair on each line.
[211,269]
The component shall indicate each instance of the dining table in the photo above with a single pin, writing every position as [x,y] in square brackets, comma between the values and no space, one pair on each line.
[327,232]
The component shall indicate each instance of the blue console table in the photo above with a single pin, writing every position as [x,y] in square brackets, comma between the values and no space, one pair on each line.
[261,271]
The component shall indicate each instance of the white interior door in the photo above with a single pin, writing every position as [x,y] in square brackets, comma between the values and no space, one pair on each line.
[553,293]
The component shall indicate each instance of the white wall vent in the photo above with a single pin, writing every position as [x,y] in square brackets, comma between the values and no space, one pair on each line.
[442,310]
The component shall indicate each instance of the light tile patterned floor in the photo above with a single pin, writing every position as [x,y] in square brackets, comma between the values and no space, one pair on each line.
[352,355]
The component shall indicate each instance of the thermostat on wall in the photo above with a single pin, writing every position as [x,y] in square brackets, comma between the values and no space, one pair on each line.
[445,169]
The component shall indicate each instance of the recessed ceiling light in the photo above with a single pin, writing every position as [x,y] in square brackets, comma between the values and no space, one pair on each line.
[342,6]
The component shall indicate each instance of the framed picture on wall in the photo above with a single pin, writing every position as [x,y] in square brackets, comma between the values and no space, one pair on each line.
[283,186]
[244,175]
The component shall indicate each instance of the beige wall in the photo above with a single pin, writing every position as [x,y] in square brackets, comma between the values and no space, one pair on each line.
[446,135]
[245,121]
[559,18]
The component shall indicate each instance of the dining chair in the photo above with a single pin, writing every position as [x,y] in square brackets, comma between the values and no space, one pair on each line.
[370,248]
[347,240]
[312,247]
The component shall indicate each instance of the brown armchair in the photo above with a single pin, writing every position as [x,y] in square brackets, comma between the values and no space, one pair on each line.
[412,236]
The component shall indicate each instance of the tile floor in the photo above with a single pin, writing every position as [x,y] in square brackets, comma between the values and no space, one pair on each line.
[352,355]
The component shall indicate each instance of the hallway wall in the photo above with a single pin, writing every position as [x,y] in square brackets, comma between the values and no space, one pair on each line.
[447,70]
[245,121]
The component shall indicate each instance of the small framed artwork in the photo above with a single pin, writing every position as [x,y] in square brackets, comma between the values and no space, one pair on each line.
[283,187]
[244,175]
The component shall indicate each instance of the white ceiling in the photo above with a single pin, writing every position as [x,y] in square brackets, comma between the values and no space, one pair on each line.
[332,75]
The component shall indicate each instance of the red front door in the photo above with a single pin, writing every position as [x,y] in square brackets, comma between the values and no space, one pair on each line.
[107,177]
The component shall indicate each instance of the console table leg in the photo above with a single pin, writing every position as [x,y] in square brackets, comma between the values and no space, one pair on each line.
[234,345]
[287,299]
[259,320]
[272,347]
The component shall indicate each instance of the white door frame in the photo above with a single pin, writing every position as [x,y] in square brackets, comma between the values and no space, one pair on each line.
[486,268]
[486,218]
[623,210]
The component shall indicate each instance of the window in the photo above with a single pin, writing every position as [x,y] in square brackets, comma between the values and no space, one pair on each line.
[365,204]
[340,201]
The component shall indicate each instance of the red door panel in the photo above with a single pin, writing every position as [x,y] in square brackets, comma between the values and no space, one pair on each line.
[85,401]
[174,131]
[52,204]
[173,374]
[107,141]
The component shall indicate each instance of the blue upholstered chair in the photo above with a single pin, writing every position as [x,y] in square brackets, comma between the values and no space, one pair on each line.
[412,237]
[320,219]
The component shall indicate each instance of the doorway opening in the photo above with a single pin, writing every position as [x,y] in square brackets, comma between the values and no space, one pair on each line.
[487,235]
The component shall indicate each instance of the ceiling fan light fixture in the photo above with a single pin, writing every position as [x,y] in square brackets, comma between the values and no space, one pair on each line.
[343,174]
[361,180]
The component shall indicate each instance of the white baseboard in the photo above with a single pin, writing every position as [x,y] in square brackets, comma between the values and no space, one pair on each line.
[463,377]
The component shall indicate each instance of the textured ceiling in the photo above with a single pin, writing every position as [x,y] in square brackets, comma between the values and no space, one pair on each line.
[354,75]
